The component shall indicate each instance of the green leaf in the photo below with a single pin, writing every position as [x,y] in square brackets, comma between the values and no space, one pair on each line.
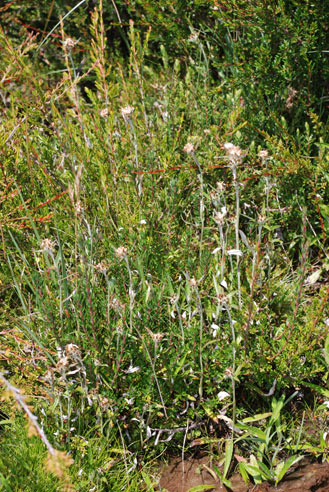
[228,456]
[257,417]
[226,482]
[253,431]
[244,472]
[283,467]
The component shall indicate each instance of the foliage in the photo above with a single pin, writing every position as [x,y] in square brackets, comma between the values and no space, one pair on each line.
[157,278]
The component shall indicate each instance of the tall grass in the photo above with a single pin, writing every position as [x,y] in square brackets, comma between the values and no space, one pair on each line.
[153,284]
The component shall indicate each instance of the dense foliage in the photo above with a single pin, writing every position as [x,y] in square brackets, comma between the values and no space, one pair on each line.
[164,224]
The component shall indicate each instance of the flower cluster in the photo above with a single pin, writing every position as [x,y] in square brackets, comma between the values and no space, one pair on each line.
[234,153]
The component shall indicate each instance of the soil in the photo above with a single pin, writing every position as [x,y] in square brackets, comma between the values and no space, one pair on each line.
[179,477]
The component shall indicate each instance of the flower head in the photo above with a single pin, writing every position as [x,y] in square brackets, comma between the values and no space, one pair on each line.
[47,245]
[121,252]
[193,282]
[263,155]
[219,217]
[234,153]
[101,267]
[220,186]
[127,111]
[104,112]
[189,148]
[68,43]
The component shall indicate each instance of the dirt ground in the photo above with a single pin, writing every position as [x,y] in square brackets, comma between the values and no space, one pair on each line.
[307,477]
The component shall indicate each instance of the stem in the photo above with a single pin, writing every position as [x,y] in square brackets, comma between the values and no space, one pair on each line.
[237,217]
[201,201]
[32,418]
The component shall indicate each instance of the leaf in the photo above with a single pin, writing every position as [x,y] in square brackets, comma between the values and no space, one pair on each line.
[253,431]
[283,467]
[200,488]
[243,472]
[226,482]
[257,417]
[228,456]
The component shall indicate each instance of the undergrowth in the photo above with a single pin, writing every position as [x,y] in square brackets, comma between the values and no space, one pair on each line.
[164,260]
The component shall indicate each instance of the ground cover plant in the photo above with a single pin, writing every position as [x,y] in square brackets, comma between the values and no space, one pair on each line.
[164,265]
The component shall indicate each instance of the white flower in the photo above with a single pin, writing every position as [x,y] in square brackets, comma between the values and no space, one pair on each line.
[263,154]
[219,217]
[127,111]
[104,112]
[326,404]
[222,395]
[143,222]
[121,251]
[189,148]
[47,245]
[234,153]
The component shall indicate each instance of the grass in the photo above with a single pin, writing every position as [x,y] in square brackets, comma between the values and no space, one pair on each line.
[155,258]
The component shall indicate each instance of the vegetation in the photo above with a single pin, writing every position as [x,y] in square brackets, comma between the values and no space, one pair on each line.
[164,229]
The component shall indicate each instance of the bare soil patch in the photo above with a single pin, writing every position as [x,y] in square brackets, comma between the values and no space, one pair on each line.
[179,477]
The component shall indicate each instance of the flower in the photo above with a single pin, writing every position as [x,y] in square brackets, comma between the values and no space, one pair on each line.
[234,153]
[219,217]
[193,37]
[101,267]
[47,245]
[263,155]
[132,369]
[68,43]
[62,364]
[121,252]
[143,222]
[261,219]
[127,111]
[104,112]
[189,148]
[220,186]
